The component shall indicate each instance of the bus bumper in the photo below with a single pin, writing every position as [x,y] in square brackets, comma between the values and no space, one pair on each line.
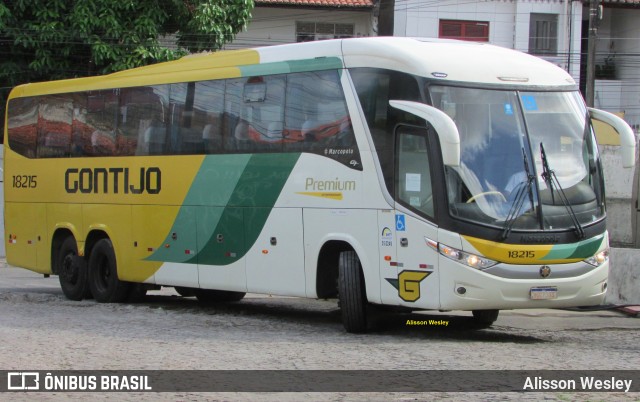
[465,288]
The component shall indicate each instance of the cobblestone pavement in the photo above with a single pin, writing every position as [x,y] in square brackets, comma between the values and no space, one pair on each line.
[41,330]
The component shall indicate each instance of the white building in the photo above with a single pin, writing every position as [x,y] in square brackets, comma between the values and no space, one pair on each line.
[550,28]
[288,21]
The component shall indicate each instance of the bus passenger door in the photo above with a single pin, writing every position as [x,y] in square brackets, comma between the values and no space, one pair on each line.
[417,279]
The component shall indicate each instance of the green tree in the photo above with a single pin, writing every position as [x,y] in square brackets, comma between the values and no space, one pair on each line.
[43,40]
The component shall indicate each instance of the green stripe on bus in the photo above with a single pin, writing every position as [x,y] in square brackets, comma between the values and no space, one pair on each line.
[227,207]
[582,250]
[293,66]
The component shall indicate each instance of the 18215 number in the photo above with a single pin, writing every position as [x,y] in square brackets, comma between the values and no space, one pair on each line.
[25,181]
[522,254]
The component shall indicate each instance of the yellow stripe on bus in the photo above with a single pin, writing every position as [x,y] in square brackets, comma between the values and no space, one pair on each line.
[199,68]
[516,253]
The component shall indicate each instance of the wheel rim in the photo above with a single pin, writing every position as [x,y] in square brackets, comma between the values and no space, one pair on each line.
[69,272]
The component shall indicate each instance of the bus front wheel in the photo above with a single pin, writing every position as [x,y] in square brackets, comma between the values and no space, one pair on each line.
[484,318]
[103,275]
[72,271]
[352,292]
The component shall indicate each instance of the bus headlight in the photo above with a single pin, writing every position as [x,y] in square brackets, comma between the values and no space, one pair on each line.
[471,260]
[598,259]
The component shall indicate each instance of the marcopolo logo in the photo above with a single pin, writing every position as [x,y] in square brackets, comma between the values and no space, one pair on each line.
[113,180]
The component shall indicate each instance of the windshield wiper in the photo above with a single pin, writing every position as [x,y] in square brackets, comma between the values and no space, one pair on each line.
[520,197]
[549,177]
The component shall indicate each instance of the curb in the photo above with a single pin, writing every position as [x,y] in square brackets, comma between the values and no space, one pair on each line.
[633,311]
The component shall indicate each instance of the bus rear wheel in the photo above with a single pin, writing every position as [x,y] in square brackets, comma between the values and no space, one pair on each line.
[72,271]
[485,318]
[103,274]
[213,296]
[352,292]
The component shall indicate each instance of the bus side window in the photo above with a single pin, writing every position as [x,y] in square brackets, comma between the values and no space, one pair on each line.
[208,106]
[196,117]
[316,112]
[375,87]
[102,112]
[54,126]
[212,137]
[142,120]
[264,97]
[80,131]
[22,126]
[236,115]
[413,181]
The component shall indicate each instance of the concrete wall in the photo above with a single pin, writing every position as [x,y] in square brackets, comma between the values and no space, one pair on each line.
[624,277]
[619,191]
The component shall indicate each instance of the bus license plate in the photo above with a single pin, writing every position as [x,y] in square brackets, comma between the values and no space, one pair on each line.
[544,293]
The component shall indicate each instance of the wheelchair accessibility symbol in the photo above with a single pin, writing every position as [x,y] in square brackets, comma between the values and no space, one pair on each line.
[400,224]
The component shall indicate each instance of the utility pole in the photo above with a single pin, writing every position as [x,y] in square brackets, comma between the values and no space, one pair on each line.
[591,52]
[385,17]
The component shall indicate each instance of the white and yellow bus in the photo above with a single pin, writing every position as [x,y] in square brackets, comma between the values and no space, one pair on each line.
[419,174]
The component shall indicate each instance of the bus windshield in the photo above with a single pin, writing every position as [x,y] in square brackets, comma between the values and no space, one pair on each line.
[528,159]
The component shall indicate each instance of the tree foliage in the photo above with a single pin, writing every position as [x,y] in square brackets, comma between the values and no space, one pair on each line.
[43,40]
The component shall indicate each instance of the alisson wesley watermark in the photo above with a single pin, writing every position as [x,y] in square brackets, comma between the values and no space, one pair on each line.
[434,323]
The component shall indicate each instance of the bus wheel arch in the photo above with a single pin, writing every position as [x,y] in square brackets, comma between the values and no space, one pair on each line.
[103,270]
[327,268]
[69,266]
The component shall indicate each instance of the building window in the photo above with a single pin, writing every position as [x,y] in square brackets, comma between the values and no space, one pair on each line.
[477,31]
[310,31]
[543,34]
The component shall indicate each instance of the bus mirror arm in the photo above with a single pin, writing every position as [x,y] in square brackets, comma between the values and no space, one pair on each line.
[443,124]
[627,138]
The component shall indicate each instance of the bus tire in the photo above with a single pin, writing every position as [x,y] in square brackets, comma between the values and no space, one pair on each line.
[72,271]
[215,296]
[137,292]
[485,318]
[352,292]
[103,274]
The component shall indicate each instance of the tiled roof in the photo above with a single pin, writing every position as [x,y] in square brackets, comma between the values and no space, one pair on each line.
[317,3]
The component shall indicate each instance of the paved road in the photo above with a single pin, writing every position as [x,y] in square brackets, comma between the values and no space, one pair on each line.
[41,330]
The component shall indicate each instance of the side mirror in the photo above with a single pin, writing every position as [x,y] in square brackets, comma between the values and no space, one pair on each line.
[627,137]
[441,122]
